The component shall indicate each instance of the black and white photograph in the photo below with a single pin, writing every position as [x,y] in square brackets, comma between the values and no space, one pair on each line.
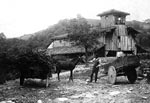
[74,51]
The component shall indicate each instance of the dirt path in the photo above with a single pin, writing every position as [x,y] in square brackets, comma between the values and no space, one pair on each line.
[78,91]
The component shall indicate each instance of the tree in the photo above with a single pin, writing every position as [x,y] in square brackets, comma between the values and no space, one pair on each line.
[82,34]
[147,21]
[15,56]
[2,36]
[9,50]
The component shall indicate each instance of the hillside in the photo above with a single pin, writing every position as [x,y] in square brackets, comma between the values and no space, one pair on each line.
[43,38]
[143,38]
[144,27]
[56,29]
[26,36]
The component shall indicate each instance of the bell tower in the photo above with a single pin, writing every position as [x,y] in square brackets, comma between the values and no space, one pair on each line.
[115,34]
[112,18]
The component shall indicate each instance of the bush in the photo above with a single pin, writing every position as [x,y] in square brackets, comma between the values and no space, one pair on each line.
[4,62]
[27,60]
[34,64]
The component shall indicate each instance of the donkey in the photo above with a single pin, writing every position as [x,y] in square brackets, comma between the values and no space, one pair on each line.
[67,65]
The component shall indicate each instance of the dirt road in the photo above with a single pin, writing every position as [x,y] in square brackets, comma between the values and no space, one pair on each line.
[78,91]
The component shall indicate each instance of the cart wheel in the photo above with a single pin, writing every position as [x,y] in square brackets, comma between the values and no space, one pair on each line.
[112,75]
[132,75]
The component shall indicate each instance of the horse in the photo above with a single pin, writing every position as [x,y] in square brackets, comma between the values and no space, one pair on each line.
[67,65]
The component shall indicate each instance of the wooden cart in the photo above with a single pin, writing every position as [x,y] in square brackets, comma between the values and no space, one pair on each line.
[122,66]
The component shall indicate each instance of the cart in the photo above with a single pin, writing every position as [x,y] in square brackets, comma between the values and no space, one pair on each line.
[122,66]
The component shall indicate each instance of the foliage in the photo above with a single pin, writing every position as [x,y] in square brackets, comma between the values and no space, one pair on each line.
[15,54]
[2,36]
[39,41]
[144,40]
[82,34]
[38,62]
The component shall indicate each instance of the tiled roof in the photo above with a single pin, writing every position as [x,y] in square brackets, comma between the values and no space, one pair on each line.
[113,11]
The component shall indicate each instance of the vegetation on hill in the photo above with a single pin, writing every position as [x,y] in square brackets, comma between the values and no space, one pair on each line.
[143,38]
[83,34]
[42,39]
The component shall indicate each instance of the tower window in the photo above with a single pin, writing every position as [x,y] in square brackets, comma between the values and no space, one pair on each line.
[120,20]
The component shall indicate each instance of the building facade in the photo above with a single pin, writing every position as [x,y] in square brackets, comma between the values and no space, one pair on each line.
[115,34]
[62,46]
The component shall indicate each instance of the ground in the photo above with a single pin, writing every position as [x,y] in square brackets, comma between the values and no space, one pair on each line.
[78,91]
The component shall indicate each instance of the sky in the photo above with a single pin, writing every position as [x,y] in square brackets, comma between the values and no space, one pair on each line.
[19,17]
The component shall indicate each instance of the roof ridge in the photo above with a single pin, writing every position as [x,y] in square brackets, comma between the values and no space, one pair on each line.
[113,11]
